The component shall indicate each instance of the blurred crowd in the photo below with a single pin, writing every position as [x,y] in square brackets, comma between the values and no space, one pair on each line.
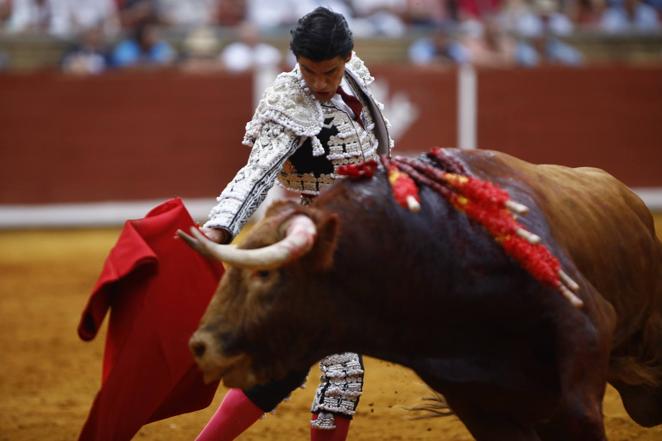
[128,33]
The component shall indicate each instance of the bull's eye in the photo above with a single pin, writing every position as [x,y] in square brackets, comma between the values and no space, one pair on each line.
[262,274]
[262,286]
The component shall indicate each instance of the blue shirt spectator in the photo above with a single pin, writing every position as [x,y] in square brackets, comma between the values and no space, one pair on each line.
[629,16]
[441,48]
[145,48]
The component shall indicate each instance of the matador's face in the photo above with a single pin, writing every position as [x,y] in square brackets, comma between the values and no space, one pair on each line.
[323,77]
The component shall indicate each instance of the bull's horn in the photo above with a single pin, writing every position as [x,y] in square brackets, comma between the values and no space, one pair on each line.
[299,239]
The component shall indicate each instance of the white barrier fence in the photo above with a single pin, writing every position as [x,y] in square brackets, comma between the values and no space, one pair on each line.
[108,214]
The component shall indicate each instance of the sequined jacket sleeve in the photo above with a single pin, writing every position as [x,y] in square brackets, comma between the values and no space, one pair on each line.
[241,197]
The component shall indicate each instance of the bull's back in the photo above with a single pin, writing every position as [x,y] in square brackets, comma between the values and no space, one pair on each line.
[605,228]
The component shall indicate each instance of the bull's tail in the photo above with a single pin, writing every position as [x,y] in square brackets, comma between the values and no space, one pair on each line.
[434,406]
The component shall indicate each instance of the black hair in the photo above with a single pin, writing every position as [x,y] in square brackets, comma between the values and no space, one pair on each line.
[321,35]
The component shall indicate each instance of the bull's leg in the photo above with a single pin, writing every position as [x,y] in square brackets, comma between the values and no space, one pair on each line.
[485,426]
[579,420]
[638,377]
[579,416]
[582,357]
[643,403]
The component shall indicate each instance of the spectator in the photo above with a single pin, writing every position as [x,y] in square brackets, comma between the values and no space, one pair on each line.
[379,17]
[231,12]
[584,13]
[134,12]
[249,52]
[656,4]
[143,49]
[539,26]
[339,6]
[270,14]
[478,9]
[476,43]
[74,16]
[188,14]
[428,13]
[31,16]
[201,51]
[5,12]
[629,16]
[522,17]
[486,44]
[440,48]
[63,18]
[88,55]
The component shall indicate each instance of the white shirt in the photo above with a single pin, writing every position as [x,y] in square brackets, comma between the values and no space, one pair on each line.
[239,57]
[65,17]
[26,14]
[189,13]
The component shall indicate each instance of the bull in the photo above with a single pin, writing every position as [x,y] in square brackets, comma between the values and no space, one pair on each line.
[434,292]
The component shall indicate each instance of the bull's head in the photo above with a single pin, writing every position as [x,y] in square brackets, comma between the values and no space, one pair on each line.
[263,303]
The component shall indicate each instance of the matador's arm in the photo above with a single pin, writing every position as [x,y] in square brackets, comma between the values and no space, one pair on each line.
[247,190]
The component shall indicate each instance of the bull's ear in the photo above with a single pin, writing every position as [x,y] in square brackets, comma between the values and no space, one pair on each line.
[328,227]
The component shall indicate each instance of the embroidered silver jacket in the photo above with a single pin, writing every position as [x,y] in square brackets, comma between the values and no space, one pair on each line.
[301,142]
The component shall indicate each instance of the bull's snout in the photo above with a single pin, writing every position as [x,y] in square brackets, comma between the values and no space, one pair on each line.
[202,339]
[213,364]
[198,347]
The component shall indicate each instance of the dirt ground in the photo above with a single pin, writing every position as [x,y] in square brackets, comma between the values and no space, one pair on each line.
[48,377]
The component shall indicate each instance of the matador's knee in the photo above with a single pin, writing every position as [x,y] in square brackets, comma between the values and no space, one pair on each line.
[340,388]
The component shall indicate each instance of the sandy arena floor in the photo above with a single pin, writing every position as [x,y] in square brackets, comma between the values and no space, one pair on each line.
[48,377]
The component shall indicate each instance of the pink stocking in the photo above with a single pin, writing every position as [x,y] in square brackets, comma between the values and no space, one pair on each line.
[337,434]
[235,414]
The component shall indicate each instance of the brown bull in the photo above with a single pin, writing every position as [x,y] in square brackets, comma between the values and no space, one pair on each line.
[434,292]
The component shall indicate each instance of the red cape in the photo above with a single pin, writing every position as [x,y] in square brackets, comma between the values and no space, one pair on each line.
[157,289]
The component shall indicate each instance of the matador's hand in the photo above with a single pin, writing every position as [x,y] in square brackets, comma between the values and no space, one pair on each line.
[217,235]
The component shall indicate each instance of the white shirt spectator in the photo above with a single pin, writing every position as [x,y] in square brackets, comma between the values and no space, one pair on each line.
[73,16]
[533,19]
[188,13]
[30,15]
[381,17]
[532,25]
[248,52]
[268,14]
[239,56]
[367,7]
[339,6]
[64,18]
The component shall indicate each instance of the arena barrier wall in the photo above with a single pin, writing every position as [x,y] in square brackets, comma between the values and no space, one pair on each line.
[149,135]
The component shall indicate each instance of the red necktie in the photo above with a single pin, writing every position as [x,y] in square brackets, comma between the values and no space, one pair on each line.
[353,104]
